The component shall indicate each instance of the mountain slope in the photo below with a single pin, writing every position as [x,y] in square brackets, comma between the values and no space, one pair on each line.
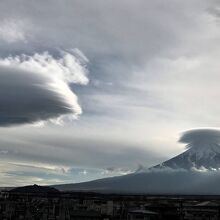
[159,182]
[195,171]
[205,157]
[183,174]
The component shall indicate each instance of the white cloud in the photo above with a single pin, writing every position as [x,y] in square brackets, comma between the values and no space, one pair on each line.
[42,83]
[12,30]
[67,68]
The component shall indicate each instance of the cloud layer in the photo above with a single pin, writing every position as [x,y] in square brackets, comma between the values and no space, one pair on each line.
[36,88]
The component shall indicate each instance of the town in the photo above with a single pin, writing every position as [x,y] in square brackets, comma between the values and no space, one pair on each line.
[47,203]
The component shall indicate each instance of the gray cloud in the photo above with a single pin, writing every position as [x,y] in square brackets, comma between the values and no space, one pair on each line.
[201,137]
[35,88]
[25,98]
[72,150]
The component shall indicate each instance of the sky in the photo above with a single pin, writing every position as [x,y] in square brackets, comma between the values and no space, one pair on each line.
[92,89]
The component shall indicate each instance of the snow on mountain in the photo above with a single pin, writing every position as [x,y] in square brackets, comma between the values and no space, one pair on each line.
[203,157]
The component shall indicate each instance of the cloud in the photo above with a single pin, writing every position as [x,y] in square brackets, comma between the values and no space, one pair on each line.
[201,138]
[12,30]
[36,88]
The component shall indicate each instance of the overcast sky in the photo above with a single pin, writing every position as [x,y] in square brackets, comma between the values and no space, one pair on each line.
[90,89]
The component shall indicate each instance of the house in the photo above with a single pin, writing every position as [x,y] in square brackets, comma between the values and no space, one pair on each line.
[140,214]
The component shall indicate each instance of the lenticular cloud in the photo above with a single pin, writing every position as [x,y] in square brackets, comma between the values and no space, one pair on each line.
[36,88]
[201,138]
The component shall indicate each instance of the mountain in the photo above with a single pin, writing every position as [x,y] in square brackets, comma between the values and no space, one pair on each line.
[160,182]
[201,156]
[195,171]
[34,189]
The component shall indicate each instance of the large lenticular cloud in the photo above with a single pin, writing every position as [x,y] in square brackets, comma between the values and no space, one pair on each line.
[36,88]
[201,137]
